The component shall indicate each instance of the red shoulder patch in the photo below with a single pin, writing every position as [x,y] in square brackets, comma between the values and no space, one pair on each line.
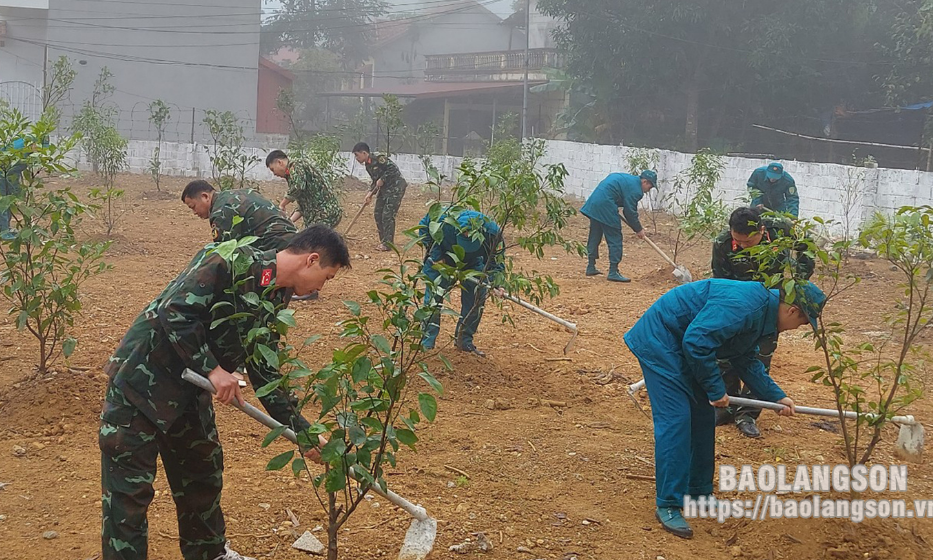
[266,277]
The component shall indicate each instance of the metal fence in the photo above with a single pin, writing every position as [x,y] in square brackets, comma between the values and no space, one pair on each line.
[22,96]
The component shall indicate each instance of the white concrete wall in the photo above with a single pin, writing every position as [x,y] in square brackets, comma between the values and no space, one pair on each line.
[821,185]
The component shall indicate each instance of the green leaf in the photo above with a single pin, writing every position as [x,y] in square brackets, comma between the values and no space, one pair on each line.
[372,423]
[361,369]
[271,436]
[381,344]
[269,356]
[428,406]
[286,317]
[447,365]
[334,450]
[407,437]
[268,388]
[432,381]
[336,479]
[280,461]
[357,436]
[298,467]
[353,307]
[68,346]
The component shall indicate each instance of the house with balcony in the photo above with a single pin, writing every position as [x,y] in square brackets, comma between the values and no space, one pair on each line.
[462,74]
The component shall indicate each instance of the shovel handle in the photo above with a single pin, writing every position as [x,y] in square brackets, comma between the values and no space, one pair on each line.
[634,387]
[660,252]
[543,313]
[202,382]
[828,412]
[656,248]
[355,218]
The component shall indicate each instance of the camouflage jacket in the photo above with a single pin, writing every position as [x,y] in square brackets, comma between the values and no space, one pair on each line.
[734,263]
[259,217]
[317,201]
[175,332]
[381,167]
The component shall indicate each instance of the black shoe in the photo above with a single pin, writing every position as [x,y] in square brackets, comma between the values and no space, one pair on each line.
[748,428]
[469,347]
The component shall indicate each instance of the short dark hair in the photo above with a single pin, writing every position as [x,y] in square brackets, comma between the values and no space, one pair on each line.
[318,238]
[194,188]
[745,220]
[275,155]
[361,147]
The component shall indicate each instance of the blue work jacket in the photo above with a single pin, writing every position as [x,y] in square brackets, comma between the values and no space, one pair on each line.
[779,196]
[618,190]
[690,328]
[478,253]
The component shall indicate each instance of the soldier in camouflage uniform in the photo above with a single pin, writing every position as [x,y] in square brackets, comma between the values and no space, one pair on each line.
[317,201]
[150,411]
[389,188]
[748,228]
[257,215]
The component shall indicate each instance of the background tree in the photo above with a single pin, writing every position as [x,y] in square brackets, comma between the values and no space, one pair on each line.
[340,26]
[95,119]
[159,115]
[42,263]
[714,60]
[390,122]
[111,152]
[58,83]
[316,71]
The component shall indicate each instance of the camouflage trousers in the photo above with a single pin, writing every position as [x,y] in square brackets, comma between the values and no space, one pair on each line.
[388,201]
[193,461]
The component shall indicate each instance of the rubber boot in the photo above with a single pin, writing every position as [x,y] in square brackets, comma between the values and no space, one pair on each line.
[615,276]
[591,269]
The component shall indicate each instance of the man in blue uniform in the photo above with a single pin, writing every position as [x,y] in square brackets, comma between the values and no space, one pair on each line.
[773,188]
[11,172]
[483,255]
[678,342]
[618,190]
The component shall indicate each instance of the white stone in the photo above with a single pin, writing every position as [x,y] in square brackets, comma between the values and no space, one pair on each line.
[309,543]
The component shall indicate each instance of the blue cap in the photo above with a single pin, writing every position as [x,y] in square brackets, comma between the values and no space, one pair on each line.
[775,171]
[650,176]
[810,300]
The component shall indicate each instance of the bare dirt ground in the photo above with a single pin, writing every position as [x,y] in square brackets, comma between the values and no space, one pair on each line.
[552,479]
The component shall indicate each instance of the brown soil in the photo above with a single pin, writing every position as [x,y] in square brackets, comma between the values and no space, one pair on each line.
[552,479]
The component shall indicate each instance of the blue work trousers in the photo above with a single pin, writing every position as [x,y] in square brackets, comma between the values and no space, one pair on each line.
[684,438]
[613,236]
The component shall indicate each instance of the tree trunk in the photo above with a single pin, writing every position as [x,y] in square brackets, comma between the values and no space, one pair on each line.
[693,101]
[332,526]
[693,108]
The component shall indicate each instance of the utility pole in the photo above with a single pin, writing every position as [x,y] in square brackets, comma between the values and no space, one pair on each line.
[525,81]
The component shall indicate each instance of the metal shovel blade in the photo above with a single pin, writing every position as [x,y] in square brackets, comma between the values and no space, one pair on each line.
[682,274]
[569,345]
[909,446]
[419,540]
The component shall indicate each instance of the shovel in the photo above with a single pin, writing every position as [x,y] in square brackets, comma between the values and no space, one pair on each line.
[909,446]
[680,271]
[419,540]
[355,218]
[572,327]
